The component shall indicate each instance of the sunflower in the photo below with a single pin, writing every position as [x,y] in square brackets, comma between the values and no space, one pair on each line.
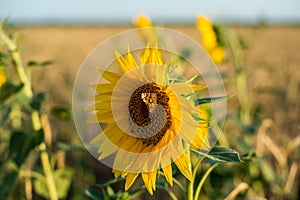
[149,118]
[210,39]
[147,32]
[143,22]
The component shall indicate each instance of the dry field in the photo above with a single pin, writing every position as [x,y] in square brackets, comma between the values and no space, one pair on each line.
[272,66]
[272,58]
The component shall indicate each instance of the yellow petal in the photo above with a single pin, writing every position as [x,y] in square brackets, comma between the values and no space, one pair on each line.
[122,62]
[102,116]
[155,56]
[161,75]
[103,88]
[149,179]
[116,136]
[188,127]
[165,139]
[117,173]
[184,88]
[130,180]
[105,149]
[181,158]
[98,138]
[145,55]
[92,120]
[168,174]
[201,139]
[126,64]
[103,97]
[184,165]
[125,160]
[130,59]
[198,87]
[151,55]
[99,106]
[113,133]
[110,76]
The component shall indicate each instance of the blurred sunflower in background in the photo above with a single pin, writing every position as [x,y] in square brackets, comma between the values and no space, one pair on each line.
[143,21]
[150,118]
[147,31]
[211,39]
[2,77]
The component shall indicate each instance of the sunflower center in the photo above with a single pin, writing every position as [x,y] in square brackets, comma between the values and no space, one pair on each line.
[150,113]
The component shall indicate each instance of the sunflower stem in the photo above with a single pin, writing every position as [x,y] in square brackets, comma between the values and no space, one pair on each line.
[36,121]
[203,179]
[12,48]
[196,167]
[189,190]
[189,186]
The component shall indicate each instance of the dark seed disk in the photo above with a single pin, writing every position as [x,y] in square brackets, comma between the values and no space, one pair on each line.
[143,103]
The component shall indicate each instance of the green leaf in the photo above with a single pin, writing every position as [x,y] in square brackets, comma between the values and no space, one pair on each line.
[220,154]
[36,138]
[205,100]
[7,186]
[94,194]
[40,188]
[33,63]
[8,89]
[21,144]
[37,101]
[62,178]
[225,154]
[19,147]
[110,191]
[61,113]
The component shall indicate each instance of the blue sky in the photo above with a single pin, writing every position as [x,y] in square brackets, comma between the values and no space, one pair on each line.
[162,11]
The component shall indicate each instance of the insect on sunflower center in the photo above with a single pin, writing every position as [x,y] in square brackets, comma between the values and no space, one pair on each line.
[150,113]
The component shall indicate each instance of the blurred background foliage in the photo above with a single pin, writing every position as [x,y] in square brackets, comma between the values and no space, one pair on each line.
[259,64]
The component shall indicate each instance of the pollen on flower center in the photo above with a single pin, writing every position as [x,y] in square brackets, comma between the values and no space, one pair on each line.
[148,107]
